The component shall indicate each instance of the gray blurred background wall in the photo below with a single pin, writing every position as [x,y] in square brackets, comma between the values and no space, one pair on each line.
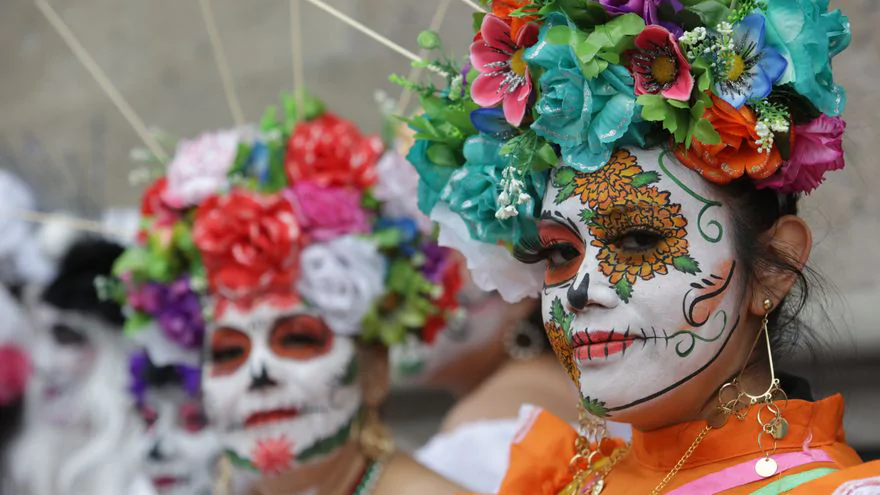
[58,125]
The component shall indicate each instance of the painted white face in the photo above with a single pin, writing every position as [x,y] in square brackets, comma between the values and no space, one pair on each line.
[280,386]
[64,352]
[181,450]
[642,291]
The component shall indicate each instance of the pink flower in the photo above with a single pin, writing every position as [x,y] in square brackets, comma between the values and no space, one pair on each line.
[326,213]
[504,75]
[818,148]
[15,367]
[199,168]
[659,67]
[273,456]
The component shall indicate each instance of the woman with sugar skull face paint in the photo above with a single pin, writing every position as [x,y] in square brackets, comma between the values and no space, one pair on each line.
[303,280]
[652,188]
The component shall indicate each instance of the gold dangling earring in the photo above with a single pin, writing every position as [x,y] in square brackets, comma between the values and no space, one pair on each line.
[224,476]
[374,437]
[775,427]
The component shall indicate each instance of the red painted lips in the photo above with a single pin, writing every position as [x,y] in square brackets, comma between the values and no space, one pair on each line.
[263,417]
[598,345]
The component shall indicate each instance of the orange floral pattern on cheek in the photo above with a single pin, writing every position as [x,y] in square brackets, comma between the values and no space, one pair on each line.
[562,349]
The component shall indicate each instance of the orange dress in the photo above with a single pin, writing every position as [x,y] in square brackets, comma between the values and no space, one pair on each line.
[813,457]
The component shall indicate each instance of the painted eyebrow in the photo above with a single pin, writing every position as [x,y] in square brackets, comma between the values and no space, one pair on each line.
[559,219]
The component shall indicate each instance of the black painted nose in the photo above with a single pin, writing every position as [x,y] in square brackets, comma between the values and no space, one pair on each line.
[579,294]
[155,453]
[262,381]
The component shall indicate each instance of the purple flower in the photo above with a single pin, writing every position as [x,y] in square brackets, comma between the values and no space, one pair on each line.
[143,373]
[436,260]
[647,9]
[180,316]
[176,308]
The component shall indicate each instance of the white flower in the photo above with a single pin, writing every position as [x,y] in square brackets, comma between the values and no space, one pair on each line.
[398,189]
[199,167]
[341,279]
[492,267]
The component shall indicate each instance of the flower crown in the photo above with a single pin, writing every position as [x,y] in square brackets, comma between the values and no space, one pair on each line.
[739,89]
[298,210]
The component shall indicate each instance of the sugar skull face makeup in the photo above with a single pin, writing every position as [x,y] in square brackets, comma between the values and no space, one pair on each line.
[65,346]
[180,449]
[642,291]
[280,385]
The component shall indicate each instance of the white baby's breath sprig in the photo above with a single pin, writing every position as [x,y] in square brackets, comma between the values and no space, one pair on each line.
[513,194]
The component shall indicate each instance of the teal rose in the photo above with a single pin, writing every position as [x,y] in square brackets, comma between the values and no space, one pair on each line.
[472,193]
[587,118]
[432,177]
[809,36]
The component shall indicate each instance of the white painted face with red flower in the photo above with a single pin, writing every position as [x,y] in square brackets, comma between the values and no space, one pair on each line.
[180,448]
[280,385]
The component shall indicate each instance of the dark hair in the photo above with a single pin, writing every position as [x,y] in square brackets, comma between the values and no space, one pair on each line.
[753,213]
[74,286]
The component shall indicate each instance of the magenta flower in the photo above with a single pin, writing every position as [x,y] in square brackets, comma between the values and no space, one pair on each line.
[504,74]
[326,213]
[659,67]
[818,148]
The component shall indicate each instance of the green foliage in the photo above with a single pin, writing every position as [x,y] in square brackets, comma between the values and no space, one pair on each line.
[707,13]
[624,289]
[429,40]
[645,178]
[601,46]
[563,179]
[529,152]
[405,307]
[686,264]
[135,322]
[683,121]
[560,317]
[587,215]
[595,407]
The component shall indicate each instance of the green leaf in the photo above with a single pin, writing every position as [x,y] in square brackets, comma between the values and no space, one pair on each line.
[135,322]
[563,176]
[710,12]
[624,289]
[677,103]
[645,178]
[477,20]
[442,155]
[547,155]
[702,72]
[595,407]
[686,264]
[585,14]
[561,35]
[587,215]
[269,121]
[428,40]
[557,312]
[704,132]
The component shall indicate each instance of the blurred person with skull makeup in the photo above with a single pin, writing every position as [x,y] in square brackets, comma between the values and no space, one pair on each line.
[276,237]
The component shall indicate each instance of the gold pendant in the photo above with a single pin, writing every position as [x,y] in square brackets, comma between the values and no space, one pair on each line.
[766,467]
[780,429]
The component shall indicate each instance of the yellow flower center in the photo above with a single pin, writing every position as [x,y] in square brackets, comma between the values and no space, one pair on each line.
[663,69]
[517,64]
[736,68]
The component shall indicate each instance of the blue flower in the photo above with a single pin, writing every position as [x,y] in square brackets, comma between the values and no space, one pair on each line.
[755,67]
[472,193]
[588,119]
[432,177]
[809,37]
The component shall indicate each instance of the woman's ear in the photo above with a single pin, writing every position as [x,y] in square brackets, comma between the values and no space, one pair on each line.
[374,373]
[790,239]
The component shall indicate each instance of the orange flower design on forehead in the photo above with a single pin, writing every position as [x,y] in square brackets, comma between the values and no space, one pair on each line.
[639,231]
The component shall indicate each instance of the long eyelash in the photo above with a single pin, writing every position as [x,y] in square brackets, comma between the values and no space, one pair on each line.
[530,249]
[638,229]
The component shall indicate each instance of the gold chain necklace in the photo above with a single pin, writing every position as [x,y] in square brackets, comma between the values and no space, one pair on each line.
[680,463]
[575,486]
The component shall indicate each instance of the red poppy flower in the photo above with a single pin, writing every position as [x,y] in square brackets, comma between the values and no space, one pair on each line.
[448,301]
[249,243]
[332,152]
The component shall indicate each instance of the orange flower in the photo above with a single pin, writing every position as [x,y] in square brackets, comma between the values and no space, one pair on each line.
[503,9]
[737,154]
[608,185]
[559,343]
[648,207]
